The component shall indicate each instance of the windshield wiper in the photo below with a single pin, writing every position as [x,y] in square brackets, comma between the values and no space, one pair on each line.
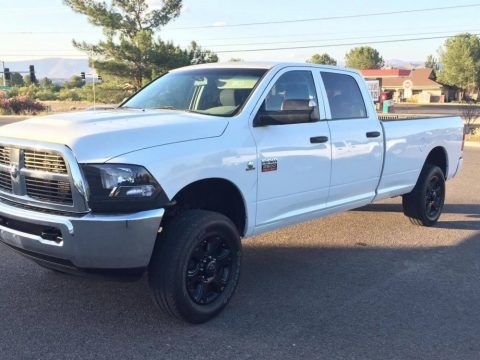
[166,107]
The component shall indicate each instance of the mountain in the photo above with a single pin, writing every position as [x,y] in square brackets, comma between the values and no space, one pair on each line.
[404,64]
[53,68]
[62,69]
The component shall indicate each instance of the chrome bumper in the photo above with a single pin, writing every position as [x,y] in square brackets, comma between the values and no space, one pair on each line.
[89,242]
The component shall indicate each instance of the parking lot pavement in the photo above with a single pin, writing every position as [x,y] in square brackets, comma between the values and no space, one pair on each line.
[5,120]
[365,284]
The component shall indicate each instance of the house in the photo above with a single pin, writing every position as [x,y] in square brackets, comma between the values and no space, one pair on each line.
[416,85]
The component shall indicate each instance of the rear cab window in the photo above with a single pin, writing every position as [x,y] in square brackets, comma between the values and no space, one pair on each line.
[344,96]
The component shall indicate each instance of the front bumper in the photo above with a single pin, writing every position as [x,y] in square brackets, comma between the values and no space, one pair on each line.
[123,241]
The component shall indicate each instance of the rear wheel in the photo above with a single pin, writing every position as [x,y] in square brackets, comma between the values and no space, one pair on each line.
[424,204]
[195,266]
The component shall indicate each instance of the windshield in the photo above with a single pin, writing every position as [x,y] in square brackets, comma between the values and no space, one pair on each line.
[219,92]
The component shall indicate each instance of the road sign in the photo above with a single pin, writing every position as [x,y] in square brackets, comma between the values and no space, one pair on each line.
[374,88]
[4,87]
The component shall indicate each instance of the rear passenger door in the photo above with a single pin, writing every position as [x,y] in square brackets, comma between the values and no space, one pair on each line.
[357,140]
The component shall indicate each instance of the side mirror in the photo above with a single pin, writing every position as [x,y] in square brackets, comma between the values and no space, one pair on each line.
[263,119]
[284,117]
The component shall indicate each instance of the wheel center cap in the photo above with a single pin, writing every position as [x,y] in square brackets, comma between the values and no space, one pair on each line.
[211,268]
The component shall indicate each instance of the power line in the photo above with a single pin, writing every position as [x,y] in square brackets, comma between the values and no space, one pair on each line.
[328,18]
[344,38]
[46,32]
[278,48]
[45,55]
[310,34]
[335,44]
[446,33]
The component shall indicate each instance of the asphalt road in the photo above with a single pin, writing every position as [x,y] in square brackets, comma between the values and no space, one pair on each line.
[364,284]
[5,119]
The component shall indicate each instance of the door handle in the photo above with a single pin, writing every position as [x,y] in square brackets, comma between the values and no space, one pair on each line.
[373,134]
[319,139]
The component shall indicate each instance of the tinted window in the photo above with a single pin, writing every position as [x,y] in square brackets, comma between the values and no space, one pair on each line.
[292,94]
[344,96]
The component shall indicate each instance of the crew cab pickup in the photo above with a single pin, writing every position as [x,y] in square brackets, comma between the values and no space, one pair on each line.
[172,179]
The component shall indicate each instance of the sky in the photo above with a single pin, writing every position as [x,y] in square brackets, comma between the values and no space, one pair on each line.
[32,29]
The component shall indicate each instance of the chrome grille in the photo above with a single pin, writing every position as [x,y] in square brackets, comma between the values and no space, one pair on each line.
[4,155]
[42,176]
[35,174]
[57,191]
[44,161]
[5,181]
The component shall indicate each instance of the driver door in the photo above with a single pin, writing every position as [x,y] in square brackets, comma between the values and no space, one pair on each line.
[294,151]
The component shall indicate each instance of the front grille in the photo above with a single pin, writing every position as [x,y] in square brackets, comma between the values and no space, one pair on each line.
[39,175]
[44,161]
[5,181]
[56,191]
[4,155]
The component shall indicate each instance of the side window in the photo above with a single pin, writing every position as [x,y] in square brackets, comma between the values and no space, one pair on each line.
[291,100]
[344,96]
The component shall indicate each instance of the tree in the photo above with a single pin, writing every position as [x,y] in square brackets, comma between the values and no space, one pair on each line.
[45,82]
[130,49]
[324,59]
[75,82]
[460,59]
[364,57]
[16,79]
[200,56]
[470,113]
[431,62]
[27,81]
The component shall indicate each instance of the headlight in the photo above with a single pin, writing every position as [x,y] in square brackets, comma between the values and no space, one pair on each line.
[122,188]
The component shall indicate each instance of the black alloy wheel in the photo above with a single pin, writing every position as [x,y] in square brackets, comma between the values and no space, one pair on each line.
[209,270]
[424,204]
[195,266]
[434,197]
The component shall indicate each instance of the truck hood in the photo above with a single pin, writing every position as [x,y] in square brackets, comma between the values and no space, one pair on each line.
[102,135]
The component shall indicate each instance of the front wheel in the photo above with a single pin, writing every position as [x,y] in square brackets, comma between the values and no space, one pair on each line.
[195,266]
[424,204]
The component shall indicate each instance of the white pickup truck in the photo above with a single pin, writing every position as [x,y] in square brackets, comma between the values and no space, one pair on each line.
[172,179]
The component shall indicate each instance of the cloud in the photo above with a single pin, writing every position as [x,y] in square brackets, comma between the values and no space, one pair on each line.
[219,23]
